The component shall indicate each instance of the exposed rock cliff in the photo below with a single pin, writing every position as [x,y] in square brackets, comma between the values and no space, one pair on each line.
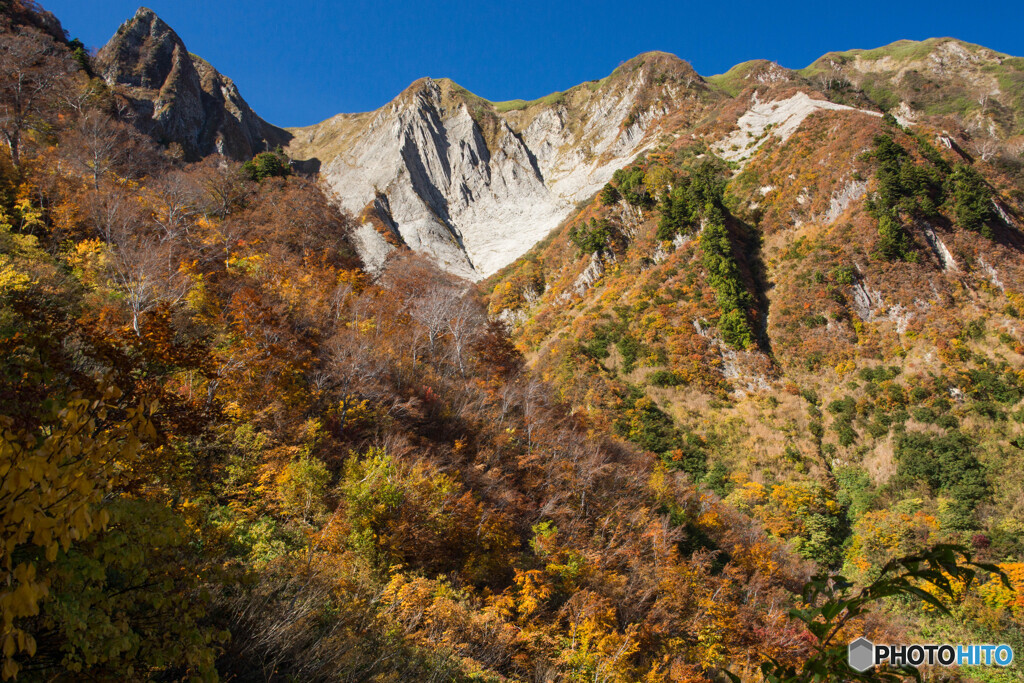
[178,97]
[474,183]
[19,13]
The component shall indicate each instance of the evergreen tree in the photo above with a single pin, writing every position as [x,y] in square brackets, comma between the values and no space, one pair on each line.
[972,200]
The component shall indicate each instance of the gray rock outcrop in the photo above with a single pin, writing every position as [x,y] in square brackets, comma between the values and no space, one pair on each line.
[476,184]
[177,97]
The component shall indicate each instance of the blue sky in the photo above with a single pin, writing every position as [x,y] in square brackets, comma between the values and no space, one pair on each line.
[301,61]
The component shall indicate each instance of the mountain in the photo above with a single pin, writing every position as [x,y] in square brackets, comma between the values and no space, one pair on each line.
[941,77]
[15,15]
[798,289]
[476,183]
[784,339]
[177,97]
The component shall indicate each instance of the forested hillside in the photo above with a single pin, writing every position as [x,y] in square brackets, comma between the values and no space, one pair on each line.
[230,451]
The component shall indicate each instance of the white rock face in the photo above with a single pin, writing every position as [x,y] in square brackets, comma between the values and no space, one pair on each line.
[939,247]
[372,247]
[870,306]
[842,198]
[1003,215]
[475,208]
[993,274]
[781,118]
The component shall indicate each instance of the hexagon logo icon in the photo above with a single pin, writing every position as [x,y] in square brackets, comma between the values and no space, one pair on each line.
[861,654]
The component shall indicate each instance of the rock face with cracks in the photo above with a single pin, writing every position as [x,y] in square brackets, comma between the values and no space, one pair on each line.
[176,97]
[475,184]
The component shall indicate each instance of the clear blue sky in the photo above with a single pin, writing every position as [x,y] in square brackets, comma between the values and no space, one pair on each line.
[301,61]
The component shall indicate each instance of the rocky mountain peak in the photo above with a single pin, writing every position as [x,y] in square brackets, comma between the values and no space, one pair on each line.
[436,92]
[144,52]
[179,98]
[418,87]
[475,183]
[15,14]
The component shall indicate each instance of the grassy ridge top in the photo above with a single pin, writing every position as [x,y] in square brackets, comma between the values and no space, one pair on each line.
[900,51]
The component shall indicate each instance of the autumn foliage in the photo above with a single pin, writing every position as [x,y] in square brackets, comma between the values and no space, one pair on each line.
[227,450]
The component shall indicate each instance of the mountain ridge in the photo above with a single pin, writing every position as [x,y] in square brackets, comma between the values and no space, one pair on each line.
[670,88]
[545,154]
[475,183]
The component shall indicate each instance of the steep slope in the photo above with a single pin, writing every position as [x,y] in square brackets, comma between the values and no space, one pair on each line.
[245,459]
[16,14]
[812,308]
[178,97]
[826,317]
[475,183]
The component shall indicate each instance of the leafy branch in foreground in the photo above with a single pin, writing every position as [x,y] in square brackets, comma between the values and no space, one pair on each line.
[831,606]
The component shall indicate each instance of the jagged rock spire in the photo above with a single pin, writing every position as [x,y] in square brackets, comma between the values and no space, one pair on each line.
[177,97]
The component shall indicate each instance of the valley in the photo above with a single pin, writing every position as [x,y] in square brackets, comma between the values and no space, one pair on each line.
[662,377]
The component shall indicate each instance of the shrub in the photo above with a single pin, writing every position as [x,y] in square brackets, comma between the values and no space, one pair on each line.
[665,378]
[630,182]
[988,385]
[593,237]
[724,277]
[631,351]
[843,407]
[736,330]
[855,490]
[303,486]
[904,187]
[610,195]
[646,425]
[688,457]
[808,513]
[681,209]
[843,275]
[894,242]
[926,415]
[267,165]
[717,479]
[847,435]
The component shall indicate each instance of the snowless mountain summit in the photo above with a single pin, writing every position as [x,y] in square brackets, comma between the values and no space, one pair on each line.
[474,183]
[178,97]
